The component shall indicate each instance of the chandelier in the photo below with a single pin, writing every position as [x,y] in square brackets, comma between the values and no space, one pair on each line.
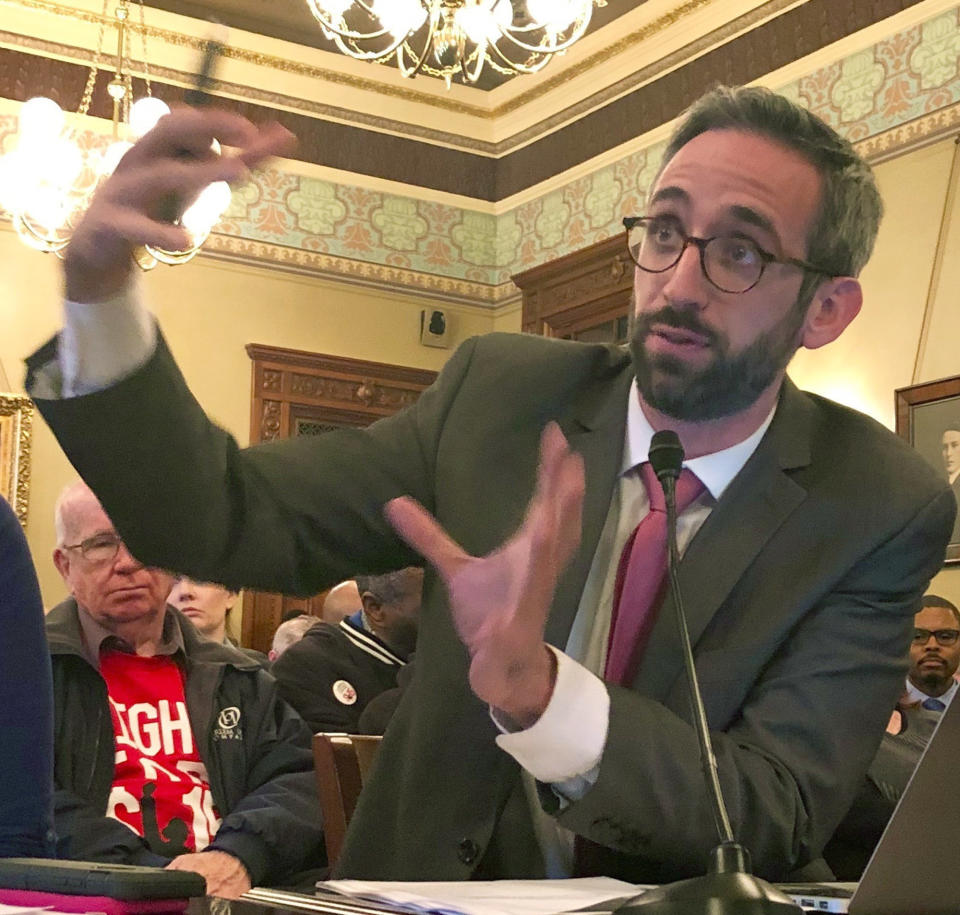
[455,38]
[48,178]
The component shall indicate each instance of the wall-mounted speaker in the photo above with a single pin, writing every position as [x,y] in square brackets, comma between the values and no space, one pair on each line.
[434,327]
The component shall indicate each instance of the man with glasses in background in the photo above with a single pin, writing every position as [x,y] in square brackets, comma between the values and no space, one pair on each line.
[170,750]
[934,655]
[549,698]
[930,687]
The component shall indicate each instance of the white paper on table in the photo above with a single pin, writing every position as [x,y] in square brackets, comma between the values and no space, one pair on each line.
[490,897]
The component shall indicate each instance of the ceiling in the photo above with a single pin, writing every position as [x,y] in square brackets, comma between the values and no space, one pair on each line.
[291,20]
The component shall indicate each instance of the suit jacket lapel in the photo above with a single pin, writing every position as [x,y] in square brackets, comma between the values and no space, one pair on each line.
[758,501]
[595,429]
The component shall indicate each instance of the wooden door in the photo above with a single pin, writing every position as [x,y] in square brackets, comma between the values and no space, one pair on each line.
[298,393]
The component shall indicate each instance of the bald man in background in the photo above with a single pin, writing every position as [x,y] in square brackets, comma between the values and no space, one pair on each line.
[342,600]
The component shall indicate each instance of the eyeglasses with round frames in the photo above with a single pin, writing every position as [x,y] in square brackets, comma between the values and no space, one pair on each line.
[943,636]
[98,549]
[732,263]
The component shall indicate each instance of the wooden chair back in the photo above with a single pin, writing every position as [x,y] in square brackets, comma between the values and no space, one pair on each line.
[342,763]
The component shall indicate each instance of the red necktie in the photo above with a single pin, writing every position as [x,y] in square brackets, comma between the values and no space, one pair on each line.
[640,577]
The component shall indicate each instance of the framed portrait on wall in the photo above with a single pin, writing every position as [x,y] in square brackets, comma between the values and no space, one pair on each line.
[16,417]
[928,417]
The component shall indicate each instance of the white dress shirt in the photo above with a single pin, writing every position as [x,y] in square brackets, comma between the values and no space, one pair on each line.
[917,695]
[568,739]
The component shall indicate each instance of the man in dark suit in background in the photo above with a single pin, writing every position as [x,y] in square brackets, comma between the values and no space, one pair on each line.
[930,687]
[802,564]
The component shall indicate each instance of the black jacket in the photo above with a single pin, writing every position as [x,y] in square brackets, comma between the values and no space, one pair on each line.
[331,674]
[261,772]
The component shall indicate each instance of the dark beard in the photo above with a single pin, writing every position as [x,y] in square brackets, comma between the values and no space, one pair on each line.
[728,385]
[933,684]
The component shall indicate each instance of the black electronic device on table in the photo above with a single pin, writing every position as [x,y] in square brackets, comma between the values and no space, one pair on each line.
[88,878]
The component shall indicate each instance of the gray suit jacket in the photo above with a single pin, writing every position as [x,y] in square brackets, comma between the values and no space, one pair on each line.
[801,588]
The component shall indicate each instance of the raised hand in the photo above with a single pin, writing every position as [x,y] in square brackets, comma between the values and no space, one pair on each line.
[173,159]
[500,601]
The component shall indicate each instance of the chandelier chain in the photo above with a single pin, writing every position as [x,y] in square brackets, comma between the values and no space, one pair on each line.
[94,66]
[143,43]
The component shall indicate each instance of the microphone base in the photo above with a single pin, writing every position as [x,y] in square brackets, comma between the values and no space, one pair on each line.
[713,894]
[727,889]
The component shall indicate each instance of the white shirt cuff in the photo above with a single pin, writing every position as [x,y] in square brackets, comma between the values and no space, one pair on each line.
[568,738]
[102,343]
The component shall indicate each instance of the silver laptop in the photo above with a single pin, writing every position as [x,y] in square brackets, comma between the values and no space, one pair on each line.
[914,868]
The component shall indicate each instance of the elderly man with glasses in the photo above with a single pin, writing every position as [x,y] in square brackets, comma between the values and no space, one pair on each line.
[802,560]
[170,750]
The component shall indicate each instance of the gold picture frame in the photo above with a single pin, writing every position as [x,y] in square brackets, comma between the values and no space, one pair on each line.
[16,430]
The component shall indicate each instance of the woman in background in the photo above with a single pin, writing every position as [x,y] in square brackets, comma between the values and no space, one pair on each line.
[26,702]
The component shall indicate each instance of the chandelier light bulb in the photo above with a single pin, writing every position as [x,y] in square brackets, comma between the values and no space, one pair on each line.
[14,189]
[41,120]
[333,8]
[399,17]
[203,214]
[144,114]
[556,15]
[481,22]
[47,208]
[112,155]
[63,164]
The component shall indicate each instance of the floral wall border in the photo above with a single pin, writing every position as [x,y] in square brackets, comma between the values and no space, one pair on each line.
[902,92]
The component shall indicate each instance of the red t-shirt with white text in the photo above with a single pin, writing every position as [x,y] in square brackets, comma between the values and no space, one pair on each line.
[160,784]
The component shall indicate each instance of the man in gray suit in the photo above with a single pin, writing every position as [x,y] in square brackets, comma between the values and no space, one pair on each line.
[802,563]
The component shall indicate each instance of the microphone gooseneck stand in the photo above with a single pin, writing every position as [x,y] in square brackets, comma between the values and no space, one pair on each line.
[728,887]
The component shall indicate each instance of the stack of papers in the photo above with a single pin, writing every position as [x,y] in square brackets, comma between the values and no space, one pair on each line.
[492,897]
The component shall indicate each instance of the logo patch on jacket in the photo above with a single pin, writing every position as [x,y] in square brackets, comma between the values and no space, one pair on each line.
[344,692]
[228,725]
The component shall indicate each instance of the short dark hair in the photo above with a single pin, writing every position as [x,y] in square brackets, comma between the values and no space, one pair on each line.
[934,600]
[392,587]
[842,236]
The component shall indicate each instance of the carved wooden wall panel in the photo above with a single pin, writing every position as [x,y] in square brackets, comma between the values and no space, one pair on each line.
[298,393]
[579,293]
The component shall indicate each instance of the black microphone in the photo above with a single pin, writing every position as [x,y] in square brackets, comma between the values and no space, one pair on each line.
[728,887]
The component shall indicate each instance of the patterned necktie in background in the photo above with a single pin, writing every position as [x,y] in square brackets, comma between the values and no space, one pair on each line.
[638,591]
